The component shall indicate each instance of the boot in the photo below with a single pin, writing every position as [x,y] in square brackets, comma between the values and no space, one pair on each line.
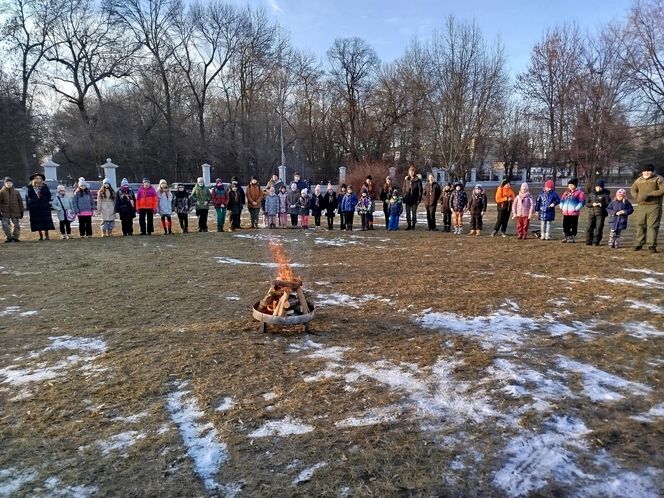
[477,233]
[472,232]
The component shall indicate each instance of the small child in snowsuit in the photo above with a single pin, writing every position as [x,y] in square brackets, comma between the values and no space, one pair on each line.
[458,203]
[394,210]
[619,209]
[522,210]
[271,207]
[477,207]
[545,207]
[340,197]
[347,207]
[364,208]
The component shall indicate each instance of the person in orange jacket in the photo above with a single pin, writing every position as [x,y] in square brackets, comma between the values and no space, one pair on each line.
[146,205]
[254,199]
[504,198]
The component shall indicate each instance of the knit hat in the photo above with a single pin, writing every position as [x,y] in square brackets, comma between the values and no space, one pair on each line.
[549,184]
[8,179]
[124,182]
[599,183]
[305,191]
[479,186]
[369,177]
[621,191]
[648,167]
[573,181]
[146,180]
[162,181]
[524,187]
[82,182]
[105,181]
[504,182]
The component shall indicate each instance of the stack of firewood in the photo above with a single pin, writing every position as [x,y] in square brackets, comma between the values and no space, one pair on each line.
[284,298]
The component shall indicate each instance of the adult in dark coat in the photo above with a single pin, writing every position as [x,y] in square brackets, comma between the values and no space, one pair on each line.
[431,195]
[330,204]
[596,203]
[412,195]
[39,205]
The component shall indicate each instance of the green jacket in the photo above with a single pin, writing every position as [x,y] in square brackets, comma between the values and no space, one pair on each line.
[648,192]
[201,197]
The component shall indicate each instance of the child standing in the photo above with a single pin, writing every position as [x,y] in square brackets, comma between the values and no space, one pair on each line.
[200,198]
[165,206]
[545,207]
[84,208]
[125,205]
[571,204]
[146,205]
[386,197]
[317,205]
[431,194]
[445,208]
[283,206]
[619,209]
[182,206]
[343,190]
[598,199]
[477,207]
[458,204]
[395,208]
[363,208]
[522,210]
[62,204]
[235,205]
[304,205]
[106,208]
[271,207]
[219,201]
[348,203]
[293,207]
[330,205]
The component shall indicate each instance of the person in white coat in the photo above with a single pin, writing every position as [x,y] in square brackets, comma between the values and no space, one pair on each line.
[64,209]
[165,206]
[106,208]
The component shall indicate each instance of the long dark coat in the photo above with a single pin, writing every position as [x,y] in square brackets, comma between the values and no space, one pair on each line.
[39,205]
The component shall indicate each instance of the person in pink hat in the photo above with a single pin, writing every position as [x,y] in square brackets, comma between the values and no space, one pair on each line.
[545,207]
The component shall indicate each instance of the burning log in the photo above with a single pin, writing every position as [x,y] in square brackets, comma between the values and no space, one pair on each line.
[285,297]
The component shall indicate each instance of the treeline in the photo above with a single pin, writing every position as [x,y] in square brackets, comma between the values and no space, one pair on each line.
[163,86]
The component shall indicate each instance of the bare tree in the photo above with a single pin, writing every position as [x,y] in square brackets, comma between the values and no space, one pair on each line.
[353,68]
[550,85]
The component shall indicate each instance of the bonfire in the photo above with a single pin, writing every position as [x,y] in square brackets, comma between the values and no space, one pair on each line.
[285,302]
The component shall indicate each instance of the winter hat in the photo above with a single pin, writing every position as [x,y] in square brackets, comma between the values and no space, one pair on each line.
[573,181]
[105,181]
[200,179]
[504,182]
[163,182]
[479,186]
[549,184]
[32,177]
[369,177]
[524,187]
[648,167]
[304,191]
[621,191]
[82,182]
[60,188]
[146,180]
[317,189]
[8,179]
[124,182]
[599,183]
[395,192]
[218,182]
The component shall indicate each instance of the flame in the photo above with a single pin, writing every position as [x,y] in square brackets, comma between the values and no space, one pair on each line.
[284,270]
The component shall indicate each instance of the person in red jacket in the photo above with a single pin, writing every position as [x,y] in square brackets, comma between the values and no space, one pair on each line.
[146,205]
[504,198]
[219,201]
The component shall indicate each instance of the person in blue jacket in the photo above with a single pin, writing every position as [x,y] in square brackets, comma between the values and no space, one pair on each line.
[619,209]
[545,207]
[347,206]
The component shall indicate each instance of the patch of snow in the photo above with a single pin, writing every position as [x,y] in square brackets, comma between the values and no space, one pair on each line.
[372,416]
[264,237]
[335,242]
[647,271]
[650,307]
[269,396]
[643,330]
[120,442]
[599,385]
[226,404]
[285,427]
[655,412]
[12,479]
[500,329]
[622,485]
[535,275]
[56,488]
[131,419]
[77,344]
[233,261]
[334,353]
[308,473]
[534,460]
[649,283]
[232,298]
[200,439]
[17,376]
[16,310]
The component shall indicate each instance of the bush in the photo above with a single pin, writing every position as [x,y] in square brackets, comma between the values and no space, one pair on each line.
[357,173]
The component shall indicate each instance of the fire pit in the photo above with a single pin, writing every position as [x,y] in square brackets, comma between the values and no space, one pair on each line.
[285,303]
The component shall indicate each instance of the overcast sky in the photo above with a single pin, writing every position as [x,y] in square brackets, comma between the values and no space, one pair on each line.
[390,25]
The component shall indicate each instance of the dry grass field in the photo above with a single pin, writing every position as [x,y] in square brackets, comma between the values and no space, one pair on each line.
[437,365]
